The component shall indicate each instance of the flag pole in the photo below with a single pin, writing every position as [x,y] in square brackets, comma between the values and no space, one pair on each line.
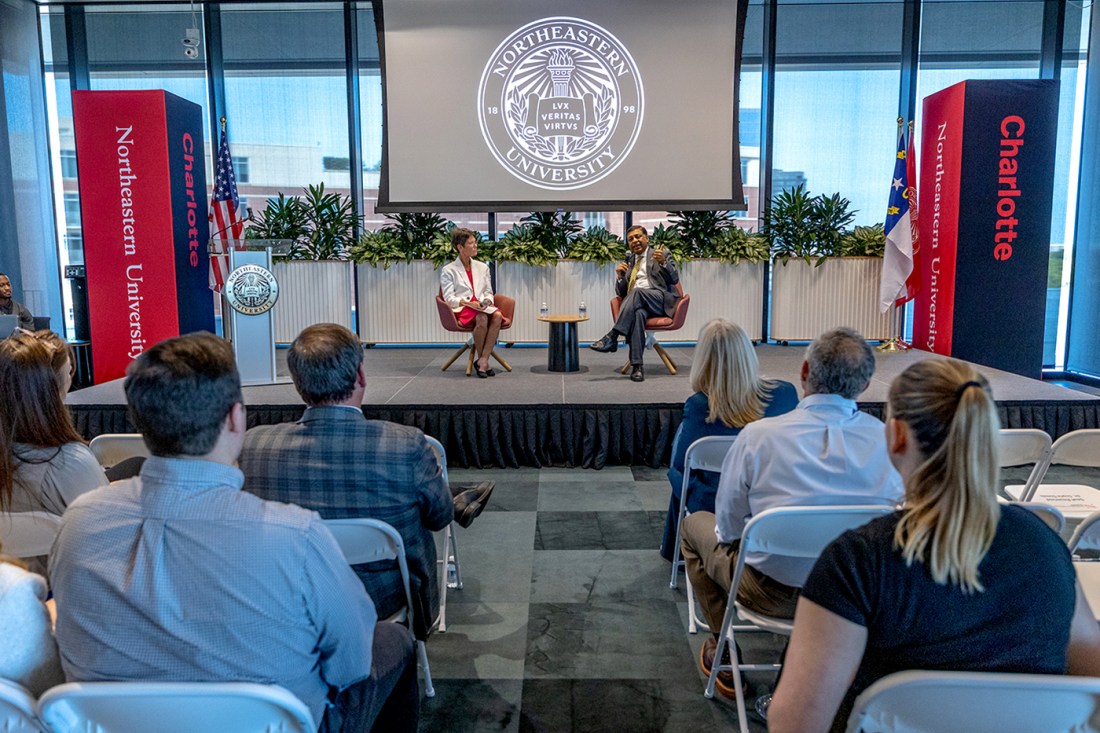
[894,344]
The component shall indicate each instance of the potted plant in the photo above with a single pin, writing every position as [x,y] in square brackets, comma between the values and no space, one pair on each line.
[698,229]
[397,290]
[315,277]
[816,283]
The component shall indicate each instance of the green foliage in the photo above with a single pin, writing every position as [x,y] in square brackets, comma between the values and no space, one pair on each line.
[699,229]
[806,227]
[598,245]
[441,251]
[541,238]
[864,242]
[379,248]
[1054,268]
[735,245]
[404,238]
[321,226]
[668,238]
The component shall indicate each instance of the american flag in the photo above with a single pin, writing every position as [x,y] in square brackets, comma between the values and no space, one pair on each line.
[901,275]
[227,227]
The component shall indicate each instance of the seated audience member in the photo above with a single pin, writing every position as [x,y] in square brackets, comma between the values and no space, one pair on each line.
[178,575]
[468,289]
[729,394]
[340,464]
[44,463]
[952,581]
[646,281]
[11,307]
[28,654]
[825,451]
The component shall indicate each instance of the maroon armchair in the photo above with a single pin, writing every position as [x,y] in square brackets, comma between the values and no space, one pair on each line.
[507,307]
[661,323]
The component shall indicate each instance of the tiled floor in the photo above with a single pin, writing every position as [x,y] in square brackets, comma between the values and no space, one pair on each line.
[566,621]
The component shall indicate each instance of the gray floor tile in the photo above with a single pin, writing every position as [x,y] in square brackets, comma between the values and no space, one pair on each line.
[610,576]
[472,706]
[617,640]
[582,496]
[599,530]
[483,640]
[654,494]
[495,554]
[586,475]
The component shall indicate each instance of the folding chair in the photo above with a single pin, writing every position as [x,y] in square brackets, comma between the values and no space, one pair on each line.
[449,555]
[1087,534]
[113,448]
[705,454]
[797,532]
[365,540]
[173,707]
[1076,501]
[28,534]
[1050,515]
[1023,446]
[17,709]
[976,702]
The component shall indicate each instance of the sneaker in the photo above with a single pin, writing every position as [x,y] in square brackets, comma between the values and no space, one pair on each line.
[762,703]
[724,681]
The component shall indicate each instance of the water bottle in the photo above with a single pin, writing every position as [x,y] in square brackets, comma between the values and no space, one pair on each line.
[452,575]
[583,310]
[543,311]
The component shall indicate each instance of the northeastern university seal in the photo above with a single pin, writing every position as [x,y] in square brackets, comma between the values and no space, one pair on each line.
[560,103]
[251,290]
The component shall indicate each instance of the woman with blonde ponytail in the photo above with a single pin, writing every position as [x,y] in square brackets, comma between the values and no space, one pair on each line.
[952,581]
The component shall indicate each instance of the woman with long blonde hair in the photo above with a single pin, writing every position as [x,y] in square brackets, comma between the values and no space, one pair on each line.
[729,394]
[952,581]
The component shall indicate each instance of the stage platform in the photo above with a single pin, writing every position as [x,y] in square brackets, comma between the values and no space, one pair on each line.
[591,418]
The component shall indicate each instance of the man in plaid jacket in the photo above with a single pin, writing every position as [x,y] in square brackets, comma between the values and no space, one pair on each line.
[339,464]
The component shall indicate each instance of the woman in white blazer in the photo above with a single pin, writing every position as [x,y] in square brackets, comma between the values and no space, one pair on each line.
[468,290]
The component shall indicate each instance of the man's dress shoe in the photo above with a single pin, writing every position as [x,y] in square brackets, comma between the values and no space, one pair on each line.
[636,374]
[605,345]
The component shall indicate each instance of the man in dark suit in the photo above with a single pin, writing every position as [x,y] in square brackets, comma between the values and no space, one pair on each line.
[339,464]
[646,281]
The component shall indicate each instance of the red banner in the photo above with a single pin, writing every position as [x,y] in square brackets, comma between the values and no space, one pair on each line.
[940,172]
[138,248]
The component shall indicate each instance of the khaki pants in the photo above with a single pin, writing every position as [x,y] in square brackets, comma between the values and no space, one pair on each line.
[710,568]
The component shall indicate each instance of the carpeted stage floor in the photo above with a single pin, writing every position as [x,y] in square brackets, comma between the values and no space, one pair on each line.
[591,418]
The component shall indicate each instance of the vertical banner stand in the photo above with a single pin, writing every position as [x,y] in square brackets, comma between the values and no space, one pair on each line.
[250,292]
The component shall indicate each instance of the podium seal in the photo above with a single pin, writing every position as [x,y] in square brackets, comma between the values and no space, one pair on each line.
[560,103]
[251,290]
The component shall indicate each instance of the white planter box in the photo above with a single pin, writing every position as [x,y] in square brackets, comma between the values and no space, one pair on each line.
[562,287]
[311,292]
[397,305]
[808,300]
[718,290]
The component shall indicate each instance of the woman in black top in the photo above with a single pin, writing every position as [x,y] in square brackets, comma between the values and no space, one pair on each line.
[953,581]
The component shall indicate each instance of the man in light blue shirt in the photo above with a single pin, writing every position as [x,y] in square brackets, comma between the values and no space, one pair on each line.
[825,451]
[178,575]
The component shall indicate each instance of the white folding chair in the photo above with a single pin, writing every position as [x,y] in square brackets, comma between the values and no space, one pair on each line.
[28,534]
[1050,515]
[449,556]
[1087,534]
[977,702]
[704,454]
[1024,446]
[1076,501]
[114,448]
[365,540]
[797,532]
[173,707]
[17,709]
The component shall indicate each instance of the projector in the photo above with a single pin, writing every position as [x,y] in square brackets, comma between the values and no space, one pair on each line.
[191,43]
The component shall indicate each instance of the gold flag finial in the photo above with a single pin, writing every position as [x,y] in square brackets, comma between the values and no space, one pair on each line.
[223,124]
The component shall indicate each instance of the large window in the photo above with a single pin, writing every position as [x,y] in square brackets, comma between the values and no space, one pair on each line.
[286,96]
[836,98]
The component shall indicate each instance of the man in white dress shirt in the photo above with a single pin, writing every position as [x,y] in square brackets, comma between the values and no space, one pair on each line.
[825,451]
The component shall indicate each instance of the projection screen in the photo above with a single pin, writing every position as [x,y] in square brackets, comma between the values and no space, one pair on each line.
[519,105]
